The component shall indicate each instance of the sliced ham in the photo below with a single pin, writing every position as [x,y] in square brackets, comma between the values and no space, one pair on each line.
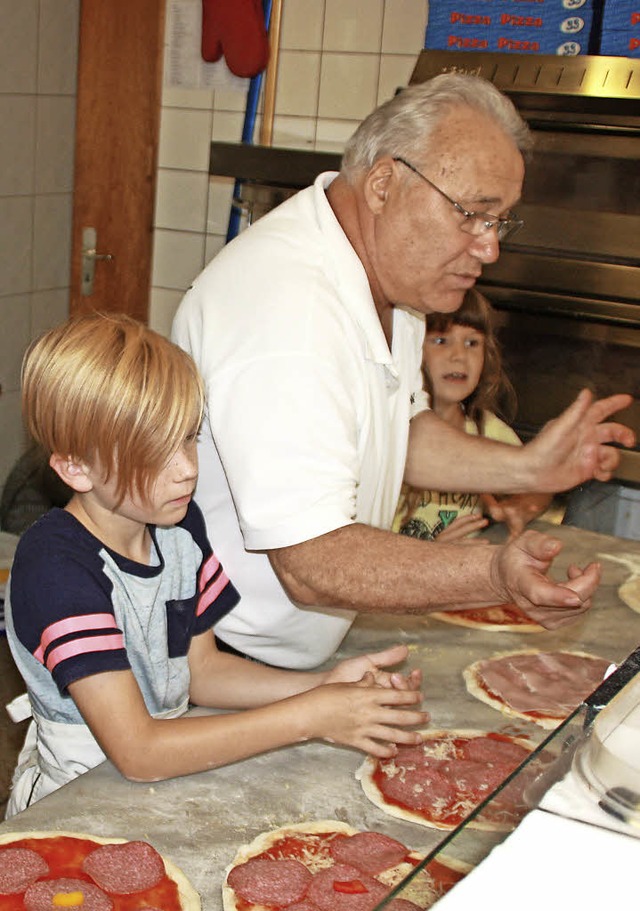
[548,683]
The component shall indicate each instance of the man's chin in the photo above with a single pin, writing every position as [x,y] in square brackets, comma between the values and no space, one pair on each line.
[448,302]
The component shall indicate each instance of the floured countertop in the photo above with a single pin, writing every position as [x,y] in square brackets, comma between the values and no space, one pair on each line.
[199,821]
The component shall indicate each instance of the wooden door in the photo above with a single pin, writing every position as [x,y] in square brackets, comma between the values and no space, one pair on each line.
[117,125]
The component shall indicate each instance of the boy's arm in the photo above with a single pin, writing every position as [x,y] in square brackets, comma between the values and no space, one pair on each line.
[143,748]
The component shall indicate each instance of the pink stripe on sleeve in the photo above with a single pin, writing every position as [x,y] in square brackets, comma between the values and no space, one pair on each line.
[208,571]
[72,625]
[83,647]
[212,593]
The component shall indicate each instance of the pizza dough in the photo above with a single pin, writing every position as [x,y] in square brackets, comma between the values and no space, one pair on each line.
[496,618]
[331,866]
[543,687]
[131,865]
[629,591]
[439,782]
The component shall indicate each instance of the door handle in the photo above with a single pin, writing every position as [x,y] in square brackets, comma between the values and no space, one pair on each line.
[89,257]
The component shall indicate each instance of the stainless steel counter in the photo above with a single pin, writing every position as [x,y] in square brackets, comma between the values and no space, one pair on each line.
[200,821]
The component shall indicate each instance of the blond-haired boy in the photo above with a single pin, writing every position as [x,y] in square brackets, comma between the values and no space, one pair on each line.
[113,599]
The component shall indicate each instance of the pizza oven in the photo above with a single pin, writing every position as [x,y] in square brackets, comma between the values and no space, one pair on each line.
[567,286]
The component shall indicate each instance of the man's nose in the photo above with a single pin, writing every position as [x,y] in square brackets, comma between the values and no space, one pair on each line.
[486,247]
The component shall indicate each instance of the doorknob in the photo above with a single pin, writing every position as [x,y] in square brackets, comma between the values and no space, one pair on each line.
[89,257]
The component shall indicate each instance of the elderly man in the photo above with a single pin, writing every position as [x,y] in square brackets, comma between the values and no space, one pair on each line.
[308,329]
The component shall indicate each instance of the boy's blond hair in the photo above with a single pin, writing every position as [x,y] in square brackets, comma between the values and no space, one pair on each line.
[105,389]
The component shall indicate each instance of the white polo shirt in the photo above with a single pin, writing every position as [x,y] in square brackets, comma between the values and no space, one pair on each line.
[308,412]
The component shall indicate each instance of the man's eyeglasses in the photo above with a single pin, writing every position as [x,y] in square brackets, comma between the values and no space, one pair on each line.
[475,223]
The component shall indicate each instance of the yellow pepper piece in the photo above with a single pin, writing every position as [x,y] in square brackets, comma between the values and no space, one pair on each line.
[67,899]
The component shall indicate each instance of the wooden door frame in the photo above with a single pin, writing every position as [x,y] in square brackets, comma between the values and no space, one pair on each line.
[119,96]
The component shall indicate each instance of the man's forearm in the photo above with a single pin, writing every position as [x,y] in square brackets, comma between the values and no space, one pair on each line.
[443,458]
[367,569]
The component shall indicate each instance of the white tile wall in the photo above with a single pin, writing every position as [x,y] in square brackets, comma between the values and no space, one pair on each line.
[19,45]
[38,57]
[55,120]
[302,25]
[338,59]
[353,25]
[298,83]
[17,149]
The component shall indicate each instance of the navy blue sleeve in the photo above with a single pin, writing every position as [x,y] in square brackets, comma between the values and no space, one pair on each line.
[216,593]
[61,601]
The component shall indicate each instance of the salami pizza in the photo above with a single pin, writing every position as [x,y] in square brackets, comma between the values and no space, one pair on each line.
[439,782]
[543,687]
[328,865]
[48,871]
[496,618]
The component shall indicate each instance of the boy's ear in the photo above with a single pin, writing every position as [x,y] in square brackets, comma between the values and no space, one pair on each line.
[75,474]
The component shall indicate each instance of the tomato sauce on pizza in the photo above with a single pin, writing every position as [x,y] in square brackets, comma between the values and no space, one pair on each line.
[64,857]
[495,618]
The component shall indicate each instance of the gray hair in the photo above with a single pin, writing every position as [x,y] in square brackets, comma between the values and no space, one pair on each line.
[404,124]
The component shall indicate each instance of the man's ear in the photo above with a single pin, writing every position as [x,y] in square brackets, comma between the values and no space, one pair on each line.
[75,474]
[376,183]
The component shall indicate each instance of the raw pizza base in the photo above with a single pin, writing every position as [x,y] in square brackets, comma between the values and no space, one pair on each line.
[629,591]
[496,624]
[470,675]
[415,890]
[366,771]
[189,898]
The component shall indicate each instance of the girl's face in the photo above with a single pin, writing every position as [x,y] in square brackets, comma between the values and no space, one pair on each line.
[454,360]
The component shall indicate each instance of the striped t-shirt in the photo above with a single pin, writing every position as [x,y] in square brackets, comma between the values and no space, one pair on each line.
[76,608]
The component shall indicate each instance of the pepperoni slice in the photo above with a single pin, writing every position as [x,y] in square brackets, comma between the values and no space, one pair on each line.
[421,788]
[370,852]
[19,867]
[270,882]
[328,897]
[40,896]
[124,869]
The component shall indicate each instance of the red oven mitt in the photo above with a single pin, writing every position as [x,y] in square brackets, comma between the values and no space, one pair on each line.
[236,29]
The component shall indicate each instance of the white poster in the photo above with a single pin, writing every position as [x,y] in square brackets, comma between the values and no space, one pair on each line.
[183,66]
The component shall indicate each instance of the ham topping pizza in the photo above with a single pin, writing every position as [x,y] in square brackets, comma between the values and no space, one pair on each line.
[543,687]
[330,866]
[47,871]
[440,781]
[497,618]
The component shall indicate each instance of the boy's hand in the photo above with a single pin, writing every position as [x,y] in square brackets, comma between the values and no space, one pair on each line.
[364,715]
[353,670]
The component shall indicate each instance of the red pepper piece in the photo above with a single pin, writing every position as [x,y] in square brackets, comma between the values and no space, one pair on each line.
[349,887]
